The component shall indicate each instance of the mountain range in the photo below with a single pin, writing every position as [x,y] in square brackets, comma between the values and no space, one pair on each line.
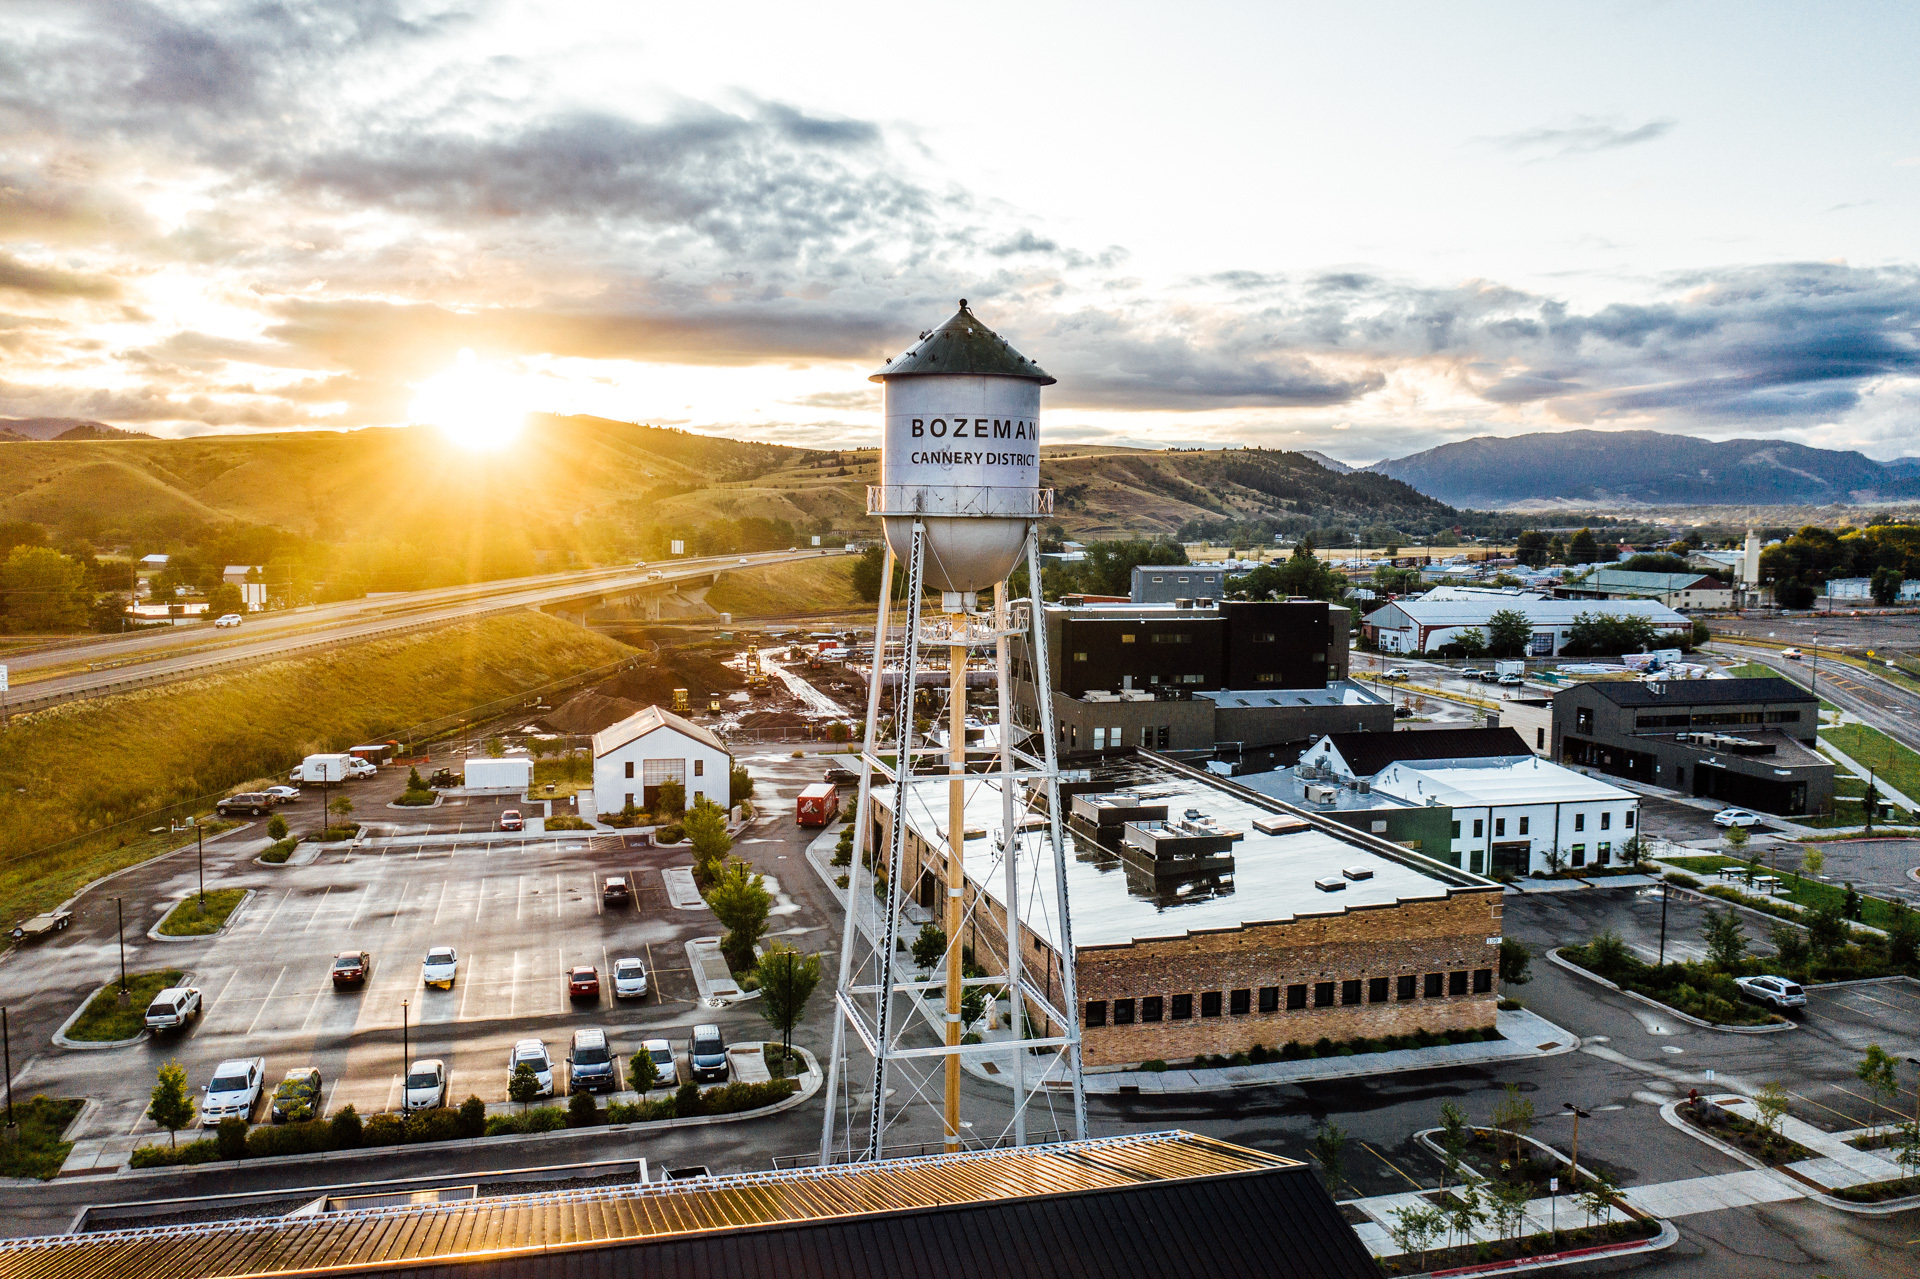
[1647,467]
[15,429]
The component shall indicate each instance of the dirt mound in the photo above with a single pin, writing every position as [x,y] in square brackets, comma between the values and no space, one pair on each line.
[700,673]
[587,713]
[773,719]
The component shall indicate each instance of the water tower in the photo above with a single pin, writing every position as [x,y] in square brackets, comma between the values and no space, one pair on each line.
[959,501]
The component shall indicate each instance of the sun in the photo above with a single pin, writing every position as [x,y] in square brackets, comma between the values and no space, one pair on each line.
[477,406]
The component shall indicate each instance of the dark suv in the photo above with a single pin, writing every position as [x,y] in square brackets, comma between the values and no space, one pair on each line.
[253,803]
[707,1055]
[590,1062]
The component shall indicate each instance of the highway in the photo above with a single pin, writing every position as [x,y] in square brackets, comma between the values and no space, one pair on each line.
[1880,703]
[94,667]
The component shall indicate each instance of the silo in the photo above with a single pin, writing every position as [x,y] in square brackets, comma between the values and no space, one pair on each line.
[961,452]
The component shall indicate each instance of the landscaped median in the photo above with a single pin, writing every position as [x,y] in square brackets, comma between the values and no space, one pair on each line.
[1698,992]
[202,915]
[39,1148]
[106,1020]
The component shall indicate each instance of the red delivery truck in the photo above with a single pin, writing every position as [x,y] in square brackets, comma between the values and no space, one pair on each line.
[818,805]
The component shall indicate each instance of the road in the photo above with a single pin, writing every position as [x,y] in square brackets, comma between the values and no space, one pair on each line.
[150,657]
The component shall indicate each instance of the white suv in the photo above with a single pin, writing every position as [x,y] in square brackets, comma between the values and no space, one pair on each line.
[173,1008]
[234,1092]
[1778,991]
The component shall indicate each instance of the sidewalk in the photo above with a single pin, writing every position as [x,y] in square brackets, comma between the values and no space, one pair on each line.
[1860,771]
[1837,1165]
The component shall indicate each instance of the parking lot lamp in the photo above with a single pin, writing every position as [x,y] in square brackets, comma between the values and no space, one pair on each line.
[1816,668]
[120,931]
[200,844]
[6,1050]
[406,1055]
[1911,1061]
[1578,1114]
[1666,891]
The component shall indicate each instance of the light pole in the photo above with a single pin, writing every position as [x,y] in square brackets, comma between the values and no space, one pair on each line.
[200,852]
[1816,668]
[6,1049]
[406,1054]
[1666,891]
[120,931]
[1578,1114]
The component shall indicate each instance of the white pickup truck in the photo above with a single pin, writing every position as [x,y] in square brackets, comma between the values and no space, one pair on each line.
[234,1092]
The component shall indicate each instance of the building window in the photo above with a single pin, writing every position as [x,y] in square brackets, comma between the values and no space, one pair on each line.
[699,768]
[1350,991]
[1406,986]
[1192,679]
[1123,1012]
[1435,985]
[1263,637]
[630,774]
[1524,821]
[1150,1008]
[1376,990]
[1628,823]
[1583,720]
[1579,854]
[1171,637]
[1127,638]
[1475,864]
[1166,733]
[1499,828]
[1240,1002]
[1209,1003]
[1479,828]
[1079,657]
[1456,830]
[629,799]
[1482,980]
[1269,999]
[1268,678]
[1182,1007]
[1457,982]
[1606,821]
[1096,1012]
[1099,739]
[1323,994]
[1579,821]
[1603,854]
[1539,739]
[1296,998]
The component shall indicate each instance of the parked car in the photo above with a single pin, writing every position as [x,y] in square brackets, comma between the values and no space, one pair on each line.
[629,978]
[533,1052]
[707,1055]
[1396,672]
[616,891]
[426,1084]
[841,776]
[443,778]
[252,803]
[352,968]
[439,967]
[235,1090]
[297,1097]
[227,619]
[1729,817]
[1510,681]
[283,794]
[666,1072]
[583,982]
[52,921]
[173,1008]
[1777,991]
[590,1062]
[1792,654]
[510,819]
[1403,712]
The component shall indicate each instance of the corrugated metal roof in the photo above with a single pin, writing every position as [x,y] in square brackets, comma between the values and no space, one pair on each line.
[962,345]
[1539,612]
[615,1216]
[642,722]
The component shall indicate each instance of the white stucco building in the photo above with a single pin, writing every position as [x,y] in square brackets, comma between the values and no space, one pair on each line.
[633,758]
[1425,624]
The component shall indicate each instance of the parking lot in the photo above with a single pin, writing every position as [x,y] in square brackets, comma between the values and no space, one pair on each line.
[520,910]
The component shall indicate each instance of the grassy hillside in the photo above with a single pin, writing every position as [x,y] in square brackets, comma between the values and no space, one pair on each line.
[780,590]
[85,765]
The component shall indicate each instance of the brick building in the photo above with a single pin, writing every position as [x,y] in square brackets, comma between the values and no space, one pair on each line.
[1208,918]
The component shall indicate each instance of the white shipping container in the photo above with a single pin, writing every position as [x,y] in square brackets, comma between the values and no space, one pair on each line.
[325,768]
[499,774]
[1510,666]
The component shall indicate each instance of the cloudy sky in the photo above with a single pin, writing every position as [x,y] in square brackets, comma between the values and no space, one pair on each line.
[1367,231]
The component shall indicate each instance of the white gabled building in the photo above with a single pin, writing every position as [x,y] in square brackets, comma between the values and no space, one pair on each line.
[633,758]
[1509,814]
[1425,624]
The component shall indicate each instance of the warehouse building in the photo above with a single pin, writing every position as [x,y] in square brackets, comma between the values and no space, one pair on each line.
[1675,590]
[1208,918]
[1188,675]
[635,757]
[1751,742]
[1165,583]
[1425,625]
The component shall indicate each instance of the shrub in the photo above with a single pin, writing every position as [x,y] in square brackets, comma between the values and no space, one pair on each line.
[279,851]
[437,1124]
[194,1152]
[384,1130]
[582,1111]
[346,1128]
[670,834]
[231,1137]
[1153,1065]
[1323,1047]
[1683,881]
[306,1138]
[546,1119]
[686,1101]
[567,821]
[276,827]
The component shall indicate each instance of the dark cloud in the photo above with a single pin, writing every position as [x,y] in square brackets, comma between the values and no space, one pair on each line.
[1585,136]
[1025,242]
[19,277]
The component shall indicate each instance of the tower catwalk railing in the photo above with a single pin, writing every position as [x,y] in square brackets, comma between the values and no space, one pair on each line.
[1017,850]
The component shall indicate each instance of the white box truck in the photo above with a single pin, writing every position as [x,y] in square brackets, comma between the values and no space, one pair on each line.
[323,768]
[1510,666]
[512,773]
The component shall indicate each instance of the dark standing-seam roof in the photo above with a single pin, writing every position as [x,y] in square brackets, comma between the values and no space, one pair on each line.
[962,345]
[1369,753]
[1148,1204]
[1699,692]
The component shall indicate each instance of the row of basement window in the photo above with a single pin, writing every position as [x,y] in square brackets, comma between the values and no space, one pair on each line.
[1326,994]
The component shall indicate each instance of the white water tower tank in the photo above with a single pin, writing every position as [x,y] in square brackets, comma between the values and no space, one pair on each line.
[961,452]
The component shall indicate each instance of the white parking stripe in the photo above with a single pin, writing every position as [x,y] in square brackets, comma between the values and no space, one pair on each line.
[308,926]
[268,998]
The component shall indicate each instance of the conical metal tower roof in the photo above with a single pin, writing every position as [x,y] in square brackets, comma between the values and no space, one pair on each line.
[962,345]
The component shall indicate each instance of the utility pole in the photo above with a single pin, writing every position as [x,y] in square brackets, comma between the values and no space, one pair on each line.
[1578,1114]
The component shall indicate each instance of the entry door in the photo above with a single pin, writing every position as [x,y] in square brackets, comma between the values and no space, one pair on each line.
[1512,859]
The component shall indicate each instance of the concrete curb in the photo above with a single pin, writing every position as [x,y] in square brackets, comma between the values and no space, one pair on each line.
[1669,1009]
[1669,1235]
[233,915]
[1669,1112]
[810,1085]
[60,1039]
[418,808]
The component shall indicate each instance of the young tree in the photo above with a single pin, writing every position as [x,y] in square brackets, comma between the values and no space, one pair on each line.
[1879,1070]
[672,800]
[1464,1212]
[1607,954]
[739,785]
[1771,1103]
[1736,837]
[1509,633]
[341,808]
[1789,945]
[276,827]
[1330,1149]
[787,979]
[1826,930]
[1453,1140]
[1415,1228]
[1726,939]
[739,898]
[170,1107]
[929,946]
[1850,904]
[1510,1206]
[1813,861]
[495,748]
[1597,1198]
[1515,962]
[524,1085]
[644,1071]
[706,827]
[1513,1117]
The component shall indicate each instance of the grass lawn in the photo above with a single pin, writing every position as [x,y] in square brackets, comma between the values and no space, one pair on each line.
[189,920]
[105,1020]
[1809,893]
[39,1152]
[1751,670]
[1874,749]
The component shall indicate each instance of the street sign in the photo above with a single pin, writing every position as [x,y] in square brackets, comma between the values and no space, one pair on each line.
[3,679]
[679,548]
[1553,1185]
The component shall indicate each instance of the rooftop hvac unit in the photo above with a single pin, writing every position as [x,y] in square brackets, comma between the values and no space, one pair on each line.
[1322,794]
[1364,786]
[1331,884]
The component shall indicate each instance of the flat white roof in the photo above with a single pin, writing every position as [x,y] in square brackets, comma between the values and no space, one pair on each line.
[1343,692]
[1480,783]
[1272,881]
